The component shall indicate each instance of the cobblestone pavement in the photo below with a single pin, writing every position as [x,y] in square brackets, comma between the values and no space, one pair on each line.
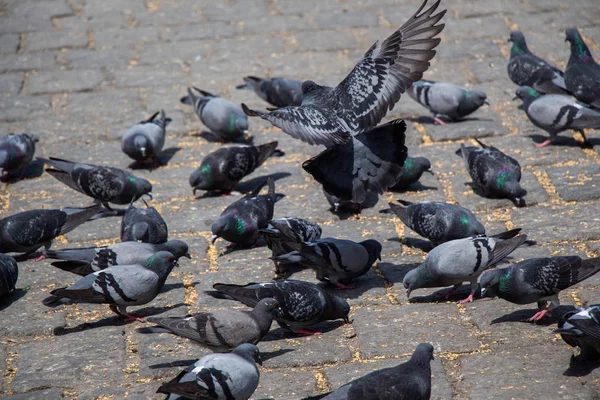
[78,73]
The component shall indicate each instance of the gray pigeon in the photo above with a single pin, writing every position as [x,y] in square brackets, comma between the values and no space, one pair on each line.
[457,261]
[103,184]
[438,222]
[581,328]
[280,92]
[222,169]
[220,330]
[28,231]
[84,261]
[301,304]
[494,173]
[330,116]
[408,381]
[143,225]
[144,141]
[537,280]
[9,273]
[555,113]
[447,99]
[16,151]
[527,69]
[224,118]
[120,286]
[413,169]
[582,75]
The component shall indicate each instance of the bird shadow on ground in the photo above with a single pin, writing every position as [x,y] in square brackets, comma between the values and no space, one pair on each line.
[163,159]
[284,333]
[173,364]
[523,315]
[414,243]
[251,184]
[15,296]
[428,120]
[581,366]
[565,141]
[441,296]
[212,138]
[413,187]
[234,248]
[172,286]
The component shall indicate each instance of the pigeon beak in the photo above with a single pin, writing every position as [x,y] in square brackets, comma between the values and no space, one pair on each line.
[508,40]
[407,293]
[482,292]
[515,98]
[259,360]
[347,320]
[486,102]
[149,194]
[430,172]
[187,255]
[194,191]
[213,239]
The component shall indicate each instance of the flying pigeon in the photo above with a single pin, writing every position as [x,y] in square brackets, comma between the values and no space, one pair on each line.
[220,330]
[27,231]
[103,184]
[527,69]
[241,221]
[537,280]
[221,170]
[9,273]
[413,169]
[120,286]
[224,118]
[144,141]
[280,92]
[555,113]
[16,151]
[218,376]
[457,261]
[84,261]
[447,99]
[582,75]
[408,381]
[493,172]
[143,225]
[330,116]
[438,222]
[581,328]
[301,304]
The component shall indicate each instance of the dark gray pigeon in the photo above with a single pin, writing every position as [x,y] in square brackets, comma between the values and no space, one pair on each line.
[120,286]
[144,141]
[301,304]
[9,273]
[16,151]
[280,92]
[438,222]
[537,280]
[28,231]
[494,173]
[446,99]
[339,206]
[527,69]
[408,381]
[460,260]
[224,118]
[330,116]
[84,261]
[241,222]
[220,330]
[413,169]
[103,184]
[143,225]
[218,376]
[222,169]
[555,113]
[581,328]
[582,75]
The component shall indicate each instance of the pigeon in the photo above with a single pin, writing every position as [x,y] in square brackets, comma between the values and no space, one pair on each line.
[330,116]
[493,172]
[581,328]
[527,69]
[280,231]
[84,261]
[218,376]
[370,161]
[221,330]
[143,225]
[582,75]
[224,118]
[438,222]
[301,304]
[27,231]
[143,142]
[447,99]
[339,206]
[410,380]
[16,151]
[103,184]
[460,260]
[120,286]
[9,273]
[555,113]
[337,261]
[279,92]
[537,280]
[413,169]
[241,221]
[221,170]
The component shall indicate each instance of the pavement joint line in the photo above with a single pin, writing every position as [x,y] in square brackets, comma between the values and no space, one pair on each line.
[544,180]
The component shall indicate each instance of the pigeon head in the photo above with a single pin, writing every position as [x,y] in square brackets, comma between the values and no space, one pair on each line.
[178,248]
[267,306]
[338,309]
[138,147]
[417,278]
[423,163]
[309,86]
[201,179]
[578,47]
[527,94]
[373,248]
[423,353]
[515,192]
[492,280]
[229,227]
[471,100]
[162,263]
[248,352]
[238,123]
[519,46]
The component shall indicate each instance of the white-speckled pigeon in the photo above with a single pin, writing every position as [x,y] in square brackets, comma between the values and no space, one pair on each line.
[144,141]
[582,75]
[280,92]
[581,328]
[413,169]
[9,273]
[143,225]
[16,151]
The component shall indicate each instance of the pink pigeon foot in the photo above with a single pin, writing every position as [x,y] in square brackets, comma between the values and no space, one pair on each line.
[439,121]
[538,315]
[341,286]
[467,300]
[40,258]
[308,332]
[134,317]
[543,144]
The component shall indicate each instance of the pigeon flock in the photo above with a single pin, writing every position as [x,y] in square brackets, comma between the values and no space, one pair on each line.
[363,158]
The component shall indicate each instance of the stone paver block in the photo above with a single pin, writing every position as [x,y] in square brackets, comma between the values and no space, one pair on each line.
[200,31]
[64,81]
[118,57]
[478,125]
[149,76]
[56,40]
[288,384]
[48,394]
[21,107]
[9,43]
[578,182]
[114,37]
[11,83]
[325,40]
